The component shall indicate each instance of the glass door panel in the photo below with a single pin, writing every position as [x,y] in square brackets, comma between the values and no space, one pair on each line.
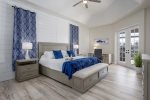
[122,43]
[134,43]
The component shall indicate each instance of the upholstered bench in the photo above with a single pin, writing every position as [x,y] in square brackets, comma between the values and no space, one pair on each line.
[86,78]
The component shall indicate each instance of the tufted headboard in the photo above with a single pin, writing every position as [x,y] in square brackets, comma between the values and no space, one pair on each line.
[47,46]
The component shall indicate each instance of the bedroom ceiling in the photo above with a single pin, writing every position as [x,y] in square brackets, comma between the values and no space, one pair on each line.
[106,12]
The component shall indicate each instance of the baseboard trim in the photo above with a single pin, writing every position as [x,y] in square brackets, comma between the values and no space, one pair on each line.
[6,76]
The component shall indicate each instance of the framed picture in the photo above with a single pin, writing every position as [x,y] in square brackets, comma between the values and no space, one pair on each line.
[102,41]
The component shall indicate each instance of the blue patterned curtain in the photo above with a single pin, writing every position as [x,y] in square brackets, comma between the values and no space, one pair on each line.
[74,36]
[24,31]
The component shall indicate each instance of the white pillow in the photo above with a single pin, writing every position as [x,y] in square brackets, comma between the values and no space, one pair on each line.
[64,53]
[49,54]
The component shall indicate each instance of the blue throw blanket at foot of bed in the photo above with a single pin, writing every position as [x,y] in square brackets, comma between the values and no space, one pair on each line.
[70,67]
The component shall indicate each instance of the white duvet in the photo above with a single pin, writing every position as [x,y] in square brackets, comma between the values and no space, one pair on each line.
[55,64]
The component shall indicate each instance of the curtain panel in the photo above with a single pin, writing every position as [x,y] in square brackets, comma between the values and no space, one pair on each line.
[24,31]
[74,36]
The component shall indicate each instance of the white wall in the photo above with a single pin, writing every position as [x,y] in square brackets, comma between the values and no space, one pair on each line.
[103,32]
[147,30]
[50,28]
[83,40]
[6,27]
[110,31]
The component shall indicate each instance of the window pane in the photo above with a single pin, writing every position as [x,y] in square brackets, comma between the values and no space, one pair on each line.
[132,31]
[134,43]
[122,46]
[136,30]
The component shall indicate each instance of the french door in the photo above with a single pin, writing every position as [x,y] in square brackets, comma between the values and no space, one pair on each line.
[128,45]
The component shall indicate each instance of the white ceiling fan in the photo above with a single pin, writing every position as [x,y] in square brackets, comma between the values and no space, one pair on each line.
[85,2]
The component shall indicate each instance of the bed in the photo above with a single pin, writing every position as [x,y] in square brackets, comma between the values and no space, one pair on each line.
[81,80]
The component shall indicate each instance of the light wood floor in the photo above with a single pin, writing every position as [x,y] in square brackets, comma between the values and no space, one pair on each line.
[120,84]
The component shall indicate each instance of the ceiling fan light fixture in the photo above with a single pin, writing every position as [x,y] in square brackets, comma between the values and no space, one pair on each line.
[85,1]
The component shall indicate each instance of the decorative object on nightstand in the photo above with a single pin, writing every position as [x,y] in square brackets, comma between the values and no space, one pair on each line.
[26,69]
[76,47]
[27,46]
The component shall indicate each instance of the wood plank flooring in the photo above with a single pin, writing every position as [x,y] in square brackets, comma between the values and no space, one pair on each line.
[120,84]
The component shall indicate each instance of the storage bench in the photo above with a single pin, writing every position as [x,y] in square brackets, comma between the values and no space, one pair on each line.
[86,78]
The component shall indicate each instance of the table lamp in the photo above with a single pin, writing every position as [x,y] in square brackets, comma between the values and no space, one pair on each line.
[27,46]
[76,47]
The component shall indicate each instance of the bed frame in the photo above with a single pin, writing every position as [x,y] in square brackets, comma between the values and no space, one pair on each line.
[56,75]
[79,84]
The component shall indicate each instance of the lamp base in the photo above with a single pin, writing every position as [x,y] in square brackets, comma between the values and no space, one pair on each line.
[27,55]
[76,52]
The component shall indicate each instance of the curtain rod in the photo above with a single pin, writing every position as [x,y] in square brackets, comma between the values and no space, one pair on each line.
[22,8]
[18,5]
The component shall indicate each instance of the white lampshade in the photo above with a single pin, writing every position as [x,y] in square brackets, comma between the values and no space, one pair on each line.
[75,46]
[97,46]
[27,46]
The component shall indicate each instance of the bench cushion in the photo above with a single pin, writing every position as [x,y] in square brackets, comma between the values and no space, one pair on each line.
[84,73]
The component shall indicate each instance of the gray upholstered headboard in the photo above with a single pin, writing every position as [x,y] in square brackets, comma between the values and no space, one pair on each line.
[46,46]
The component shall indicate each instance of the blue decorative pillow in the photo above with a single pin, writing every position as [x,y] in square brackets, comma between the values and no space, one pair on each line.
[57,54]
[71,53]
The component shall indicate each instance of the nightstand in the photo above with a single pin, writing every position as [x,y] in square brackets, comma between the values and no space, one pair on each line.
[26,69]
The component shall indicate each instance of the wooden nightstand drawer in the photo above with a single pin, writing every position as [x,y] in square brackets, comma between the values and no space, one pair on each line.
[26,68]
[28,75]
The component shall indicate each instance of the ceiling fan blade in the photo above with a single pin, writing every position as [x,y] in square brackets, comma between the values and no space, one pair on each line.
[98,1]
[77,3]
[86,5]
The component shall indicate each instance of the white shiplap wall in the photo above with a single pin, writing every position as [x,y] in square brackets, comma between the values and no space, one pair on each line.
[6,32]
[50,28]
